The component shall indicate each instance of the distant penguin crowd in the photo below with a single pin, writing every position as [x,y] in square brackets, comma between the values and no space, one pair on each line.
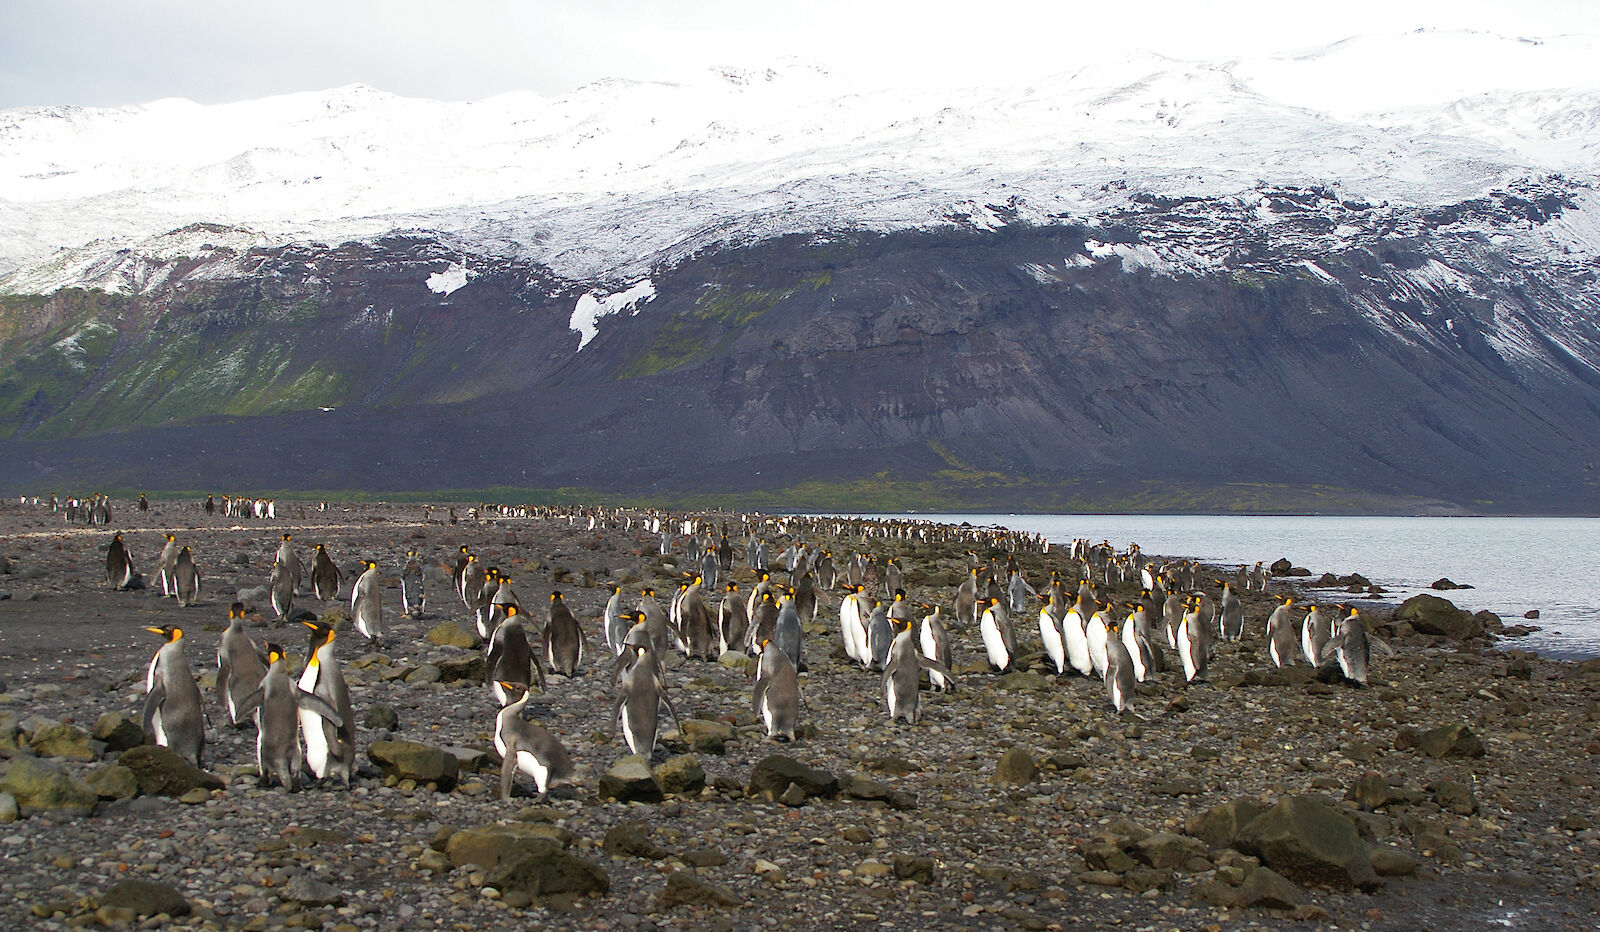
[1112,616]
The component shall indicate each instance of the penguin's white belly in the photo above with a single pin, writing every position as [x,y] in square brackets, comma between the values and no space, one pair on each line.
[531,766]
[1186,651]
[1077,643]
[317,751]
[1050,635]
[994,644]
[1096,636]
[1134,656]
[160,729]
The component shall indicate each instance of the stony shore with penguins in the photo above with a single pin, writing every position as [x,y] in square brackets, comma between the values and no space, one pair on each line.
[1458,790]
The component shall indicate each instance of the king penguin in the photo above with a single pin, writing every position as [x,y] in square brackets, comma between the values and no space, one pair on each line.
[563,638]
[1050,636]
[901,676]
[290,561]
[999,641]
[935,645]
[1351,647]
[239,665]
[510,657]
[1194,640]
[787,633]
[1280,633]
[279,705]
[325,575]
[412,599]
[172,715]
[165,564]
[366,604]
[186,578]
[1314,633]
[637,705]
[1098,631]
[1075,638]
[280,586]
[880,636]
[1232,612]
[119,564]
[615,626]
[776,696]
[732,622]
[763,624]
[1119,675]
[526,746]
[853,626]
[330,748]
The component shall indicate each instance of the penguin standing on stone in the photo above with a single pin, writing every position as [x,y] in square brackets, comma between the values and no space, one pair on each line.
[510,657]
[279,705]
[1281,633]
[639,698]
[999,640]
[776,697]
[366,604]
[172,715]
[119,564]
[325,575]
[1050,636]
[412,599]
[186,578]
[165,564]
[526,746]
[240,666]
[330,747]
[563,638]
[732,623]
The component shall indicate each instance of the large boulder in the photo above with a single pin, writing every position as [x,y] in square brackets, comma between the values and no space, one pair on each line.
[1220,825]
[43,787]
[1308,841]
[1451,741]
[162,773]
[685,889]
[118,731]
[630,780]
[774,775]
[681,775]
[408,760]
[67,742]
[1429,614]
[540,868]
[145,898]
[112,781]
[1015,768]
[450,634]
[489,846]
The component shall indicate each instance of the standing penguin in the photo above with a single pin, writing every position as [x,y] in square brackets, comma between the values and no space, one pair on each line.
[967,607]
[1050,636]
[119,564]
[1075,639]
[999,641]
[412,599]
[893,579]
[1315,631]
[239,665]
[1119,675]
[165,564]
[290,561]
[1281,633]
[732,622]
[1232,611]
[763,624]
[880,637]
[366,604]
[330,747]
[325,575]
[637,707]
[563,638]
[526,746]
[186,578]
[695,624]
[280,586]
[1098,631]
[787,633]
[1134,643]
[776,697]
[279,705]
[510,657]
[1351,647]
[613,624]
[935,644]
[172,715]
[1194,640]
[853,626]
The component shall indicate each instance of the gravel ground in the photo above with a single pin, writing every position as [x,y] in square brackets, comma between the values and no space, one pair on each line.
[1518,851]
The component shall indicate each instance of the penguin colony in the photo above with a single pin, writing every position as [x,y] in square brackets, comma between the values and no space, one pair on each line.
[305,723]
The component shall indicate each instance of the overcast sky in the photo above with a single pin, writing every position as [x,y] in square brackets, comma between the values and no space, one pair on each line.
[115,52]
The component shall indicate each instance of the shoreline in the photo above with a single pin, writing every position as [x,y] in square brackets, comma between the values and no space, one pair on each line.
[1027,854]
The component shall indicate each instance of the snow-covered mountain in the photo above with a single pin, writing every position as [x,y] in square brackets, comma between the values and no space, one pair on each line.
[1362,277]
[617,177]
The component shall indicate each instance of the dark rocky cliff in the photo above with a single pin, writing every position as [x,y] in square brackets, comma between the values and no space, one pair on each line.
[1417,366]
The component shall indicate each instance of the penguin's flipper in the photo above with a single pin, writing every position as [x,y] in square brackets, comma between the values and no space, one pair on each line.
[1380,644]
[756,694]
[152,703]
[675,720]
[538,673]
[508,772]
[249,704]
[939,668]
[320,706]
[491,663]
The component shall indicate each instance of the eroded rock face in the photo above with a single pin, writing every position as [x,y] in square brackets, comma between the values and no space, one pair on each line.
[42,786]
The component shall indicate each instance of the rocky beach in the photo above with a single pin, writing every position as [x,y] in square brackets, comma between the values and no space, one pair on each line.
[1458,790]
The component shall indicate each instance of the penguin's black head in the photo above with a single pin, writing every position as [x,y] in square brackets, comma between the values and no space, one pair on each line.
[275,654]
[170,632]
[236,610]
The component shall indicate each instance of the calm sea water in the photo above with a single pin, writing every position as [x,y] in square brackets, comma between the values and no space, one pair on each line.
[1515,564]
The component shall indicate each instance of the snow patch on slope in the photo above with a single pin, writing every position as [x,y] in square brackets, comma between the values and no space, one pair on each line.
[451,280]
[594,305]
